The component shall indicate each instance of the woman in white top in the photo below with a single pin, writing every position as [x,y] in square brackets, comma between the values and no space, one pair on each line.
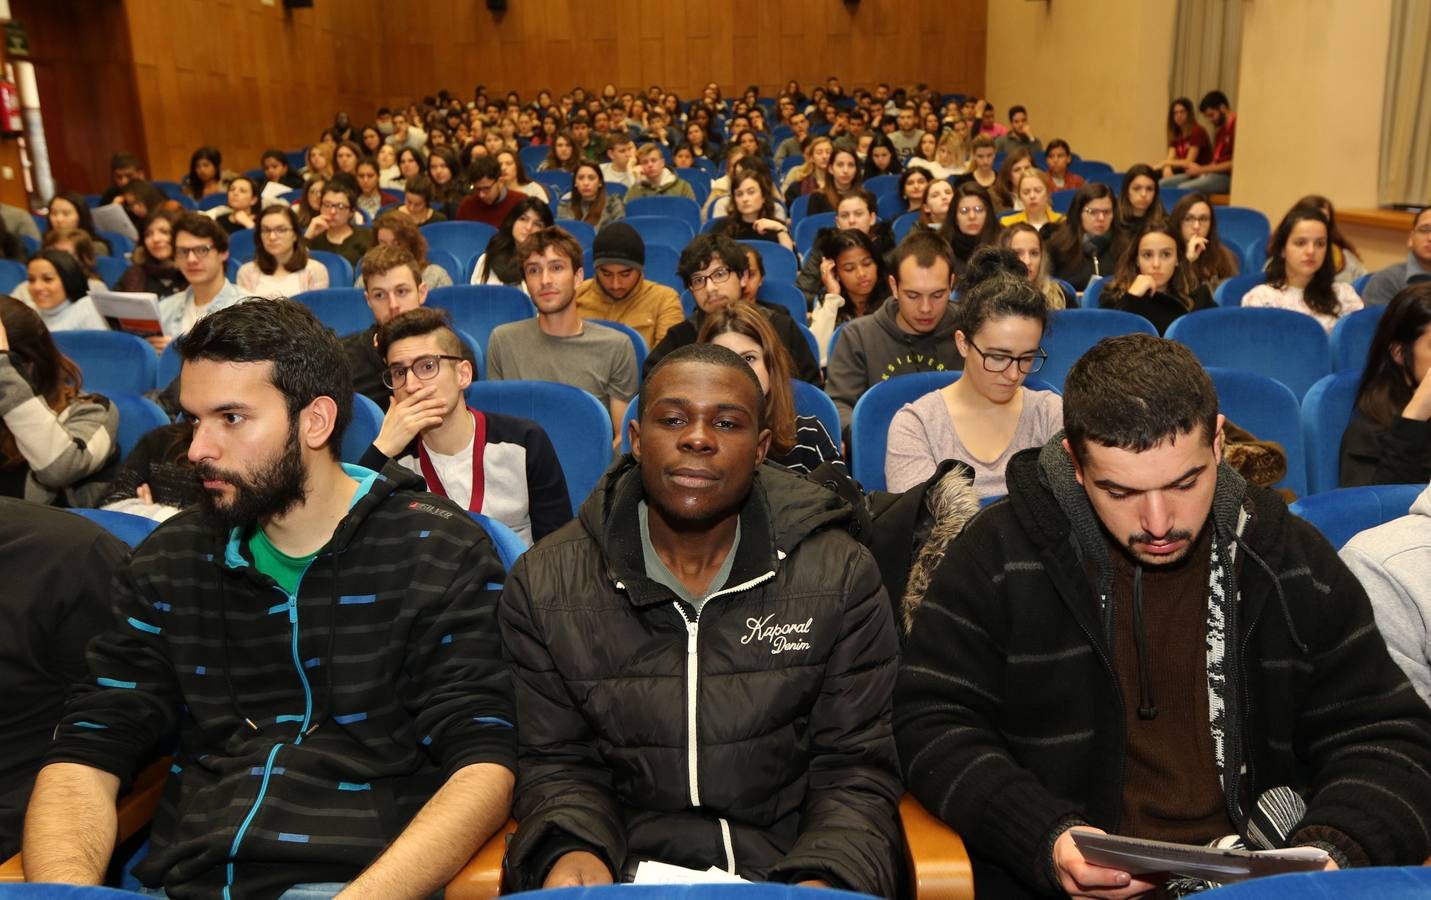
[281,266]
[1301,275]
[59,292]
[987,415]
[389,175]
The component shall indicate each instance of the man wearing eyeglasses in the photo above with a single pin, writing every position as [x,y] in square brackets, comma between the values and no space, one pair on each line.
[1389,281]
[500,466]
[913,331]
[332,231]
[201,248]
[717,271]
[1138,641]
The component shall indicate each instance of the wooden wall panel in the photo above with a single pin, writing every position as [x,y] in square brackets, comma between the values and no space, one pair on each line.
[88,97]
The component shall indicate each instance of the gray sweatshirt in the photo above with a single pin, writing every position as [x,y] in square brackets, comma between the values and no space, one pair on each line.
[1393,563]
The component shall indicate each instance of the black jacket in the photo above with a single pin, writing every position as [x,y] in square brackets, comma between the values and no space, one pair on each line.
[1160,307]
[1010,719]
[786,675]
[310,728]
[807,367]
[1399,454]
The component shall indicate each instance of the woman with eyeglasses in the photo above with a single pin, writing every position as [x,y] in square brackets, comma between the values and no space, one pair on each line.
[1079,245]
[281,266]
[970,224]
[1209,261]
[987,415]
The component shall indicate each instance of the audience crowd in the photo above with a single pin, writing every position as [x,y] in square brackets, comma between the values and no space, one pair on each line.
[732,654]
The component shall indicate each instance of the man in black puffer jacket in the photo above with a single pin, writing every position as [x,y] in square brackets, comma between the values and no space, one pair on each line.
[704,662]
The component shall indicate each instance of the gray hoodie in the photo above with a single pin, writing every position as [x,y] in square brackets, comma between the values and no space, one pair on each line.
[1393,563]
[872,349]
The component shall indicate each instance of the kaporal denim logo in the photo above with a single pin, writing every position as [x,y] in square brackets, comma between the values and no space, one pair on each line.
[780,637]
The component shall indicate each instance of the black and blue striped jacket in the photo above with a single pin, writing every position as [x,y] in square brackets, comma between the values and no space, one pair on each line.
[310,729]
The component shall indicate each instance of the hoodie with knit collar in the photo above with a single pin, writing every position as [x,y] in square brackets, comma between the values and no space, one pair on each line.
[1011,721]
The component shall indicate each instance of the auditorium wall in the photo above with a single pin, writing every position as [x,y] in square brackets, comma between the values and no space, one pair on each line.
[1094,73]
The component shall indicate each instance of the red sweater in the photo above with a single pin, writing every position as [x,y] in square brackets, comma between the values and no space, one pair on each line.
[474,210]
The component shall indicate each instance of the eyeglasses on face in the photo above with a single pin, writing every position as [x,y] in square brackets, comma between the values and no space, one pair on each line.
[200,252]
[1000,362]
[718,276]
[335,207]
[424,367]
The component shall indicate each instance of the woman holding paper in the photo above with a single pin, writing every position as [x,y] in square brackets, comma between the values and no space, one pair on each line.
[59,292]
[153,271]
[53,438]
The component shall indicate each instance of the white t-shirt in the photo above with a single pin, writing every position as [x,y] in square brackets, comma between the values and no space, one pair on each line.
[455,473]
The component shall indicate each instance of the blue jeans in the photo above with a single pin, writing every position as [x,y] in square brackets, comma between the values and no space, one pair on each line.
[318,891]
[1211,183]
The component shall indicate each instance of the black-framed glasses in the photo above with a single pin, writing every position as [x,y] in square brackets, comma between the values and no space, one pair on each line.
[718,276]
[1000,362]
[424,367]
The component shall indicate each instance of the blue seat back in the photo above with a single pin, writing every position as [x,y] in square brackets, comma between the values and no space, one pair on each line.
[780,263]
[343,309]
[340,271]
[869,426]
[109,269]
[111,361]
[1351,338]
[479,308]
[812,401]
[1093,292]
[1231,291]
[700,182]
[1242,224]
[119,244]
[1360,284]
[1343,513]
[464,240]
[799,208]
[138,415]
[904,224]
[786,295]
[1326,412]
[881,183]
[638,343]
[1269,410]
[12,275]
[362,430]
[169,366]
[1060,201]
[556,181]
[450,264]
[241,246]
[584,232]
[532,157]
[1288,346]
[809,227]
[213,201]
[1071,332]
[578,425]
[1087,167]
[681,208]
[132,530]
[664,231]
[505,541]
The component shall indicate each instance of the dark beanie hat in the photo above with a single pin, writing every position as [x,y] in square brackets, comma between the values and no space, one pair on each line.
[619,244]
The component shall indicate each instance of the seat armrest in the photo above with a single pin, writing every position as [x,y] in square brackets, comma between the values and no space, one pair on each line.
[939,867]
[135,810]
[481,878]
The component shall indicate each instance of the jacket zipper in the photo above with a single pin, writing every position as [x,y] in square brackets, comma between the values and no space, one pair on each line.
[1104,607]
[272,754]
[692,683]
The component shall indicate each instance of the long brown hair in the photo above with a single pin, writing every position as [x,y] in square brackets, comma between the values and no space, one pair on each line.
[1217,261]
[1388,383]
[1127,269]
[746,319]
[51,375]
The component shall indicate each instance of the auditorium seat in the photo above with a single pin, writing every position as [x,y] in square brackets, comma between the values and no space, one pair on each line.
[111,360]
[1351,338]
[340,271]
[477,309]
[808,228]
[1270,411]
[1326,412]
[1343,513]
[1288,346]
[1071,332]
[343,309]
[780,262]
